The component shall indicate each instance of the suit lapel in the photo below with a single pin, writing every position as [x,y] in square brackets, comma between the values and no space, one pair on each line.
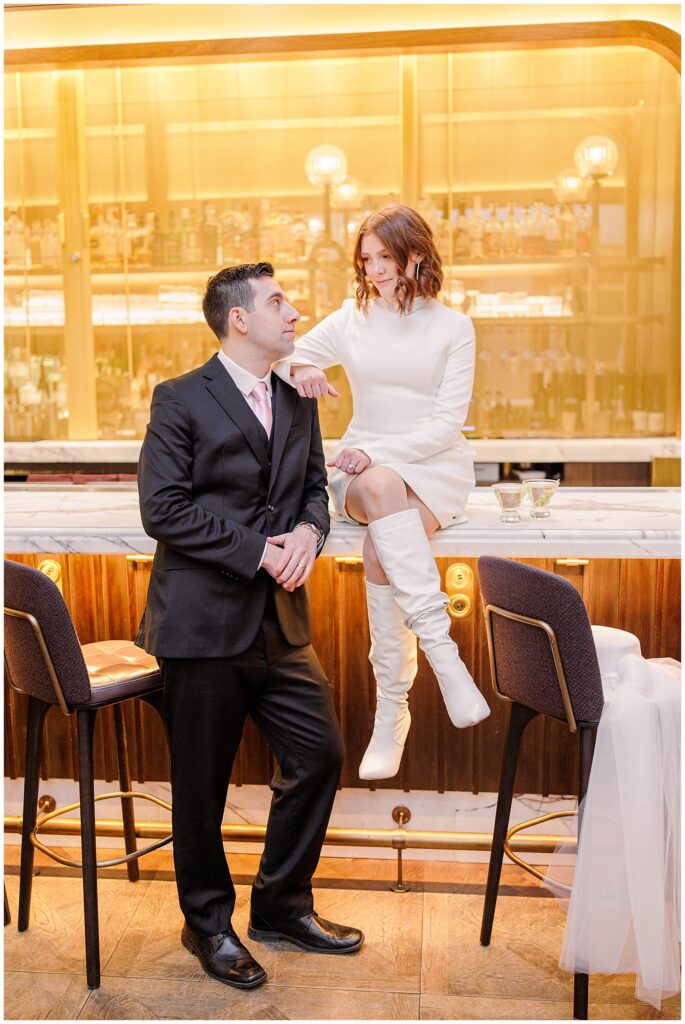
[284,402]
[222,388]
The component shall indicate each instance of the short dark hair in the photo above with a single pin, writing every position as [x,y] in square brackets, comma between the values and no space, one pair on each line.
[231,287]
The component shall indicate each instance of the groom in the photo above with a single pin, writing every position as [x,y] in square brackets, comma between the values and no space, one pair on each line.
[232,487]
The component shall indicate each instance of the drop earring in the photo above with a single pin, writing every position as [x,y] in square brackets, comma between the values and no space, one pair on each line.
[417,268]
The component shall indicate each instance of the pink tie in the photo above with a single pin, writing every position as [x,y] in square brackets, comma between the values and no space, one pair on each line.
[262,406]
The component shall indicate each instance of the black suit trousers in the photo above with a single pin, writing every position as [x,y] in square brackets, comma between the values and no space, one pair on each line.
[284,690]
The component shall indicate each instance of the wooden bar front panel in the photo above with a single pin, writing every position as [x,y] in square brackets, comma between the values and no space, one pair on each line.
[106,596]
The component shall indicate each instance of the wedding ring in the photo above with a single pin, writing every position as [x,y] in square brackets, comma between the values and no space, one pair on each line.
[301,565]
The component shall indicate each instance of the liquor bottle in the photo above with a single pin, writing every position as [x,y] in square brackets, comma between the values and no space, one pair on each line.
[440,228]
[172,242]
[487,407]
[156,240]
[283,235]
[527,239]
[498,409]
[265,239]
[247,237]
[209,235]
[51,250]
[602,418]
[539,246]
[476,229]
[35,238]
[552,233]
[639,415]
[569,417]
[96,234]
[620,424]
[14,242]
[132,239]
[656,390]
[300,236]
[145,239]
[462,241]
[183,229]
[569,305]
[511,235]
[493,234]
[194,239]
[566,232]
[112,247]
[583,221]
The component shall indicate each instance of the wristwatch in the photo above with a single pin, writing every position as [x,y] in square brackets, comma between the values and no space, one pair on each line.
[315,529]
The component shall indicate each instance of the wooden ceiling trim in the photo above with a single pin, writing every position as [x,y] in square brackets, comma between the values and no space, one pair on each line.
[648,34]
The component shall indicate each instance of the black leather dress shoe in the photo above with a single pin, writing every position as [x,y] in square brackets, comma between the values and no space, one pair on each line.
[310,932]
[224,958]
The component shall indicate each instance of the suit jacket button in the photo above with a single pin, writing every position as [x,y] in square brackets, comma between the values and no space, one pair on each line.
[270,508]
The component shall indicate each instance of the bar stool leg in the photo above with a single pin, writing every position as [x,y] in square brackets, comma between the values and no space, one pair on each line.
[518,720]
[588,734]
[86,725]
[127,812]
[37,710]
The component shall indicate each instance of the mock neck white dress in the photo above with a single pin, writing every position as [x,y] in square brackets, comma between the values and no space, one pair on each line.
[411,378]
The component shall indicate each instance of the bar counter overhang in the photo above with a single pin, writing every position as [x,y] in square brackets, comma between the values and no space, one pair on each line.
[585,522]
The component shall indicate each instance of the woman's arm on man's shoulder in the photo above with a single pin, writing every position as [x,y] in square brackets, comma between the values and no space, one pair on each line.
[320,347]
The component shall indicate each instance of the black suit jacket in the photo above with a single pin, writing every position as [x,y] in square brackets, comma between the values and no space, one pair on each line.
[210,493]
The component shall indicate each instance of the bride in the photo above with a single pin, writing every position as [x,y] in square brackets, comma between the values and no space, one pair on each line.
[403,466]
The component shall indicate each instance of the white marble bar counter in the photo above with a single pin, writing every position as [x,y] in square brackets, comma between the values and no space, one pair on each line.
[511,449]
[585,522]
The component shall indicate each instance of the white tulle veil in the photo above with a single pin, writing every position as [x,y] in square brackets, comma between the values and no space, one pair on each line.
[624,907]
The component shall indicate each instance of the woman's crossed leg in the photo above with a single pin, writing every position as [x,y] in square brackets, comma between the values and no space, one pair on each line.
[379,492]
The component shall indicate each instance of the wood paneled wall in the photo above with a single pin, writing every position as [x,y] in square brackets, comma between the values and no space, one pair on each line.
[106,597]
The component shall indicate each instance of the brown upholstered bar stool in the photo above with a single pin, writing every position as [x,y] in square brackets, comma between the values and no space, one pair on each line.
[543,660]
[45,661]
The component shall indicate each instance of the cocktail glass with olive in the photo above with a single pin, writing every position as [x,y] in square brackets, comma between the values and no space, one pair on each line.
[541,493]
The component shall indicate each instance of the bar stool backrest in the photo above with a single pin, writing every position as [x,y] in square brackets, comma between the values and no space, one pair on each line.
[550,666]
[42,651]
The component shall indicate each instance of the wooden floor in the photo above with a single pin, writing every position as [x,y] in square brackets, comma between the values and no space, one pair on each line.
[421,961]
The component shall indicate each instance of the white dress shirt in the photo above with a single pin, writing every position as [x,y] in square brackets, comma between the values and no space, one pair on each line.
[245,382]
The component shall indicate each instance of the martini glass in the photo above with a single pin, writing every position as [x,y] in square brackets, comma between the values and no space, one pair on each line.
[510,496]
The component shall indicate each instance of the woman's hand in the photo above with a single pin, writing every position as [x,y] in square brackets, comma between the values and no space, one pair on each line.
[351,460]
[311,382]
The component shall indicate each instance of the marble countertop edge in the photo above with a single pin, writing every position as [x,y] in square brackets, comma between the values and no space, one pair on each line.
[496,449]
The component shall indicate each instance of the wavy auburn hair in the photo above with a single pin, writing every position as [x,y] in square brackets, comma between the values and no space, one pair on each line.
[403,232]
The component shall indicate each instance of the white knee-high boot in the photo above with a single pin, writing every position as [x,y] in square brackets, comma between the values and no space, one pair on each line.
[404,551]
[393,657]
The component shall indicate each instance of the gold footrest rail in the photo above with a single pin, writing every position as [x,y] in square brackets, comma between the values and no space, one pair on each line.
[569,841]
[71,862]
[393,838]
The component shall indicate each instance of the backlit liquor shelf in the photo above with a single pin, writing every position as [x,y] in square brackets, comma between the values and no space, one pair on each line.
[571,277]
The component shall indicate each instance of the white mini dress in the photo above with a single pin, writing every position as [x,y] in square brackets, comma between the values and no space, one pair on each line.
[411,378]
